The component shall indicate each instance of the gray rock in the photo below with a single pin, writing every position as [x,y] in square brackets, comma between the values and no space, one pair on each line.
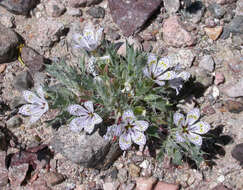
[194,11]
[183,58]
[90,151]
[217,10]
[237,153]
[55,8]
[113,34]
[122,175]
[23,81]
[3,170]
[7,20]
[16,102]
[207,63]
[20,7]
[3,143]
[14,122]
[239,8]
[147,46]
[74,12]
[235,27]
[202,76]
[172,6]
[131,15]
[96,12]
[235,89]
[9,41]
[83,3]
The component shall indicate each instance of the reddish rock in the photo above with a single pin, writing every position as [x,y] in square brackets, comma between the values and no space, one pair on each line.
[234,106]
[145,183]
[166,186]
[235,89]
[175,35]
[2,68]
[17,174]
[213,33]
[219,78]
[220,187]
[3,170]
[39,184]
[131,15]
[53,178]
[208,110]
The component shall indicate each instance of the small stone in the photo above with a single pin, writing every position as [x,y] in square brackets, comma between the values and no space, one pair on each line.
[235,27]
[23,81]
[234,106]
[55,8]
[113,34]
[208,110]
[219,78]
[220,187]
[3,170]
[216,10]
[166,186]
[74,12]
[122,175]
[202,76]
[235,89]
[134,170]
[2,68]
[213,33]
[194,11]
[221,179]
[96,12]
[146,183]
[3,142]
[17,174]
[16,102]
[183,58]
[111,186]
[14,122]
[237,153]
[144,164]
[54,178]
[7,20]
[129,186]
[174,34]
[172,6]
[207,63]
[239,8]
[147,46]
[77,3]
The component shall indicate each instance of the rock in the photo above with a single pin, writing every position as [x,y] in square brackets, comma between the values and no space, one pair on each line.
[219,78]
[222,2]
[202,76]
[17,174]
[3,169]
[175,35]
[16,102]
[54,178]
[39,184]
[172,6]
[93,2]
[235,27]
[2,68]
[166,186]
[122,175]
[235,89]
[216,10]
[208,110]
[23,81]
[74,12]
[55,8]
[111,185]
[14,122]
[194,11]
[184,58]
[147,46]
[239,8]
[134,170]
[129,186]
[90,151]
[213,33]
[207,63]
[220,187]
[7,20]
[131,15]
[234,106]
[113,34]
[32,59]
[83,3]
[96,12]
[3,142]
[9,41]
[20,7]
[145,183]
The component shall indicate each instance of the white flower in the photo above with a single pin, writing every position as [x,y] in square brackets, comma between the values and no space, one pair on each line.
[89,39]
[189,129]
[87,118]
[129,130]
[159,70]
[37,107]
[92,61]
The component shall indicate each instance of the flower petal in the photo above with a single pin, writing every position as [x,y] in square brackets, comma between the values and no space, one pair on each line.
[163,65]
[77,110]
[77,124]
[138,137]
[125,141]
[31,109]
[34,118]
[192,116]
[179,138]
[128,116]
[160,83]
[31,97]
[96,119]
[40,92]
[89,125]
[195,139]
[200,127]
[169,75]
[146,72]
[110,133]
[98,35]
[141,125]
[152,62]
[89,106]
[179,119]
[184,75]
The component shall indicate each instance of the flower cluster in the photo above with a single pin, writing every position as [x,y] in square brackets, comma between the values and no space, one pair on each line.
[189,128]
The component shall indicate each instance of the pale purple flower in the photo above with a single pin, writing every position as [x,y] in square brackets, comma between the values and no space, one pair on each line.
[189,128]
[86,119]
[37,107]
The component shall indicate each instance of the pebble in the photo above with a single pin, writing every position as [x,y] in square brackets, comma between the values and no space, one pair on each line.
[53,178]
[96,12]
[111,186]
[128,186]
[144,164]
[3,142]
[55,8]
[134,170]
[219,78]
[17,174]
[122,175]
[166,186]
[220,187]
[14,122]
[239,8]
[202,76]
[77,3]
[195,14]
[217,10]
[221,179]
[7,20]
[184,58]
[3,170]
[235,89]
[23,81]
[172,6]
[145,183]
[147,46]
[175,35]
[213,33]
[207,63]
[234,106]
[2,67]
[74,12]
[113,34]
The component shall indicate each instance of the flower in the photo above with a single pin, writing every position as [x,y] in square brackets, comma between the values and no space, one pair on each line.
[89,39]
[190,129]
[129,130]
[128,89]
[37,107]
[87,118]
